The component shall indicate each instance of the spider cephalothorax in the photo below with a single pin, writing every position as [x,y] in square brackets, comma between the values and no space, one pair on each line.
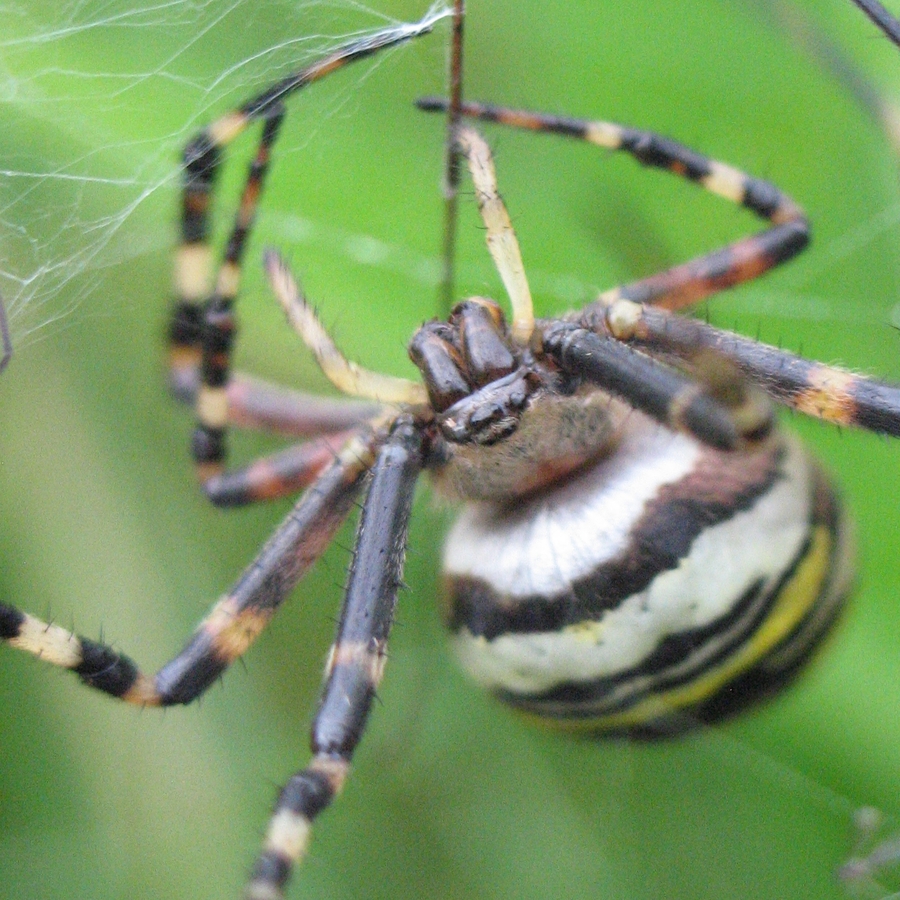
[509,420]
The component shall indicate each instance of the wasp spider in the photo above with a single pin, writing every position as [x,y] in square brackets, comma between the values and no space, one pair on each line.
[639,549]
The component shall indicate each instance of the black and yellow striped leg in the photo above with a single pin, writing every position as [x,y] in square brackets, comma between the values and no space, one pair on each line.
[201,332]
[257,404]
[96,665]
[193,266]
[218,328]
[202,160]
[277,475]
[727,419]
[356,662]
[235,621]
[193,270]
[825,392]
[686,284]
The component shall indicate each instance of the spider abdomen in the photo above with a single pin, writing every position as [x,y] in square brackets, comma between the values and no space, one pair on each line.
[664,585]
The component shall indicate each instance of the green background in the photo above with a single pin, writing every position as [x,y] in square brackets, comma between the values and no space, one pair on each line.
[451,796]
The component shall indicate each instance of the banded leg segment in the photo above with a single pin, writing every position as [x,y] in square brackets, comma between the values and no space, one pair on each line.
[257,404]
[191,337]
[218,327]
[356,662]
[825,392]
[234,622]
[96,665]
[686,284]
[713,406]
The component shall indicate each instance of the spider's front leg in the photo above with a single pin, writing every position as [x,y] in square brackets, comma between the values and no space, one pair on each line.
[640,314]
[356,661]
[825,392]
[711,404]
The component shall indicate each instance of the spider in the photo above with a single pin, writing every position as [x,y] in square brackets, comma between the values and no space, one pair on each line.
[526,419]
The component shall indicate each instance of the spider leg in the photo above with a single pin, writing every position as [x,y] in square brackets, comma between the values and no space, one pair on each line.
[344,374]
[888,25]
[277,475]
[499,233]
[235,620]
[218,330]
[825,392]
[194,331]
[711,405]
[202,331]
[688,283]
[833,59]
[290,470]
[355,664]
[256,404]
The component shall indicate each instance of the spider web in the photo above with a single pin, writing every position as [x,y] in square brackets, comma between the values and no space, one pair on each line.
[99,98]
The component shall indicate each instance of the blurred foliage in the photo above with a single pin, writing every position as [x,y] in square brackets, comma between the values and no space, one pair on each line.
[451,795]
